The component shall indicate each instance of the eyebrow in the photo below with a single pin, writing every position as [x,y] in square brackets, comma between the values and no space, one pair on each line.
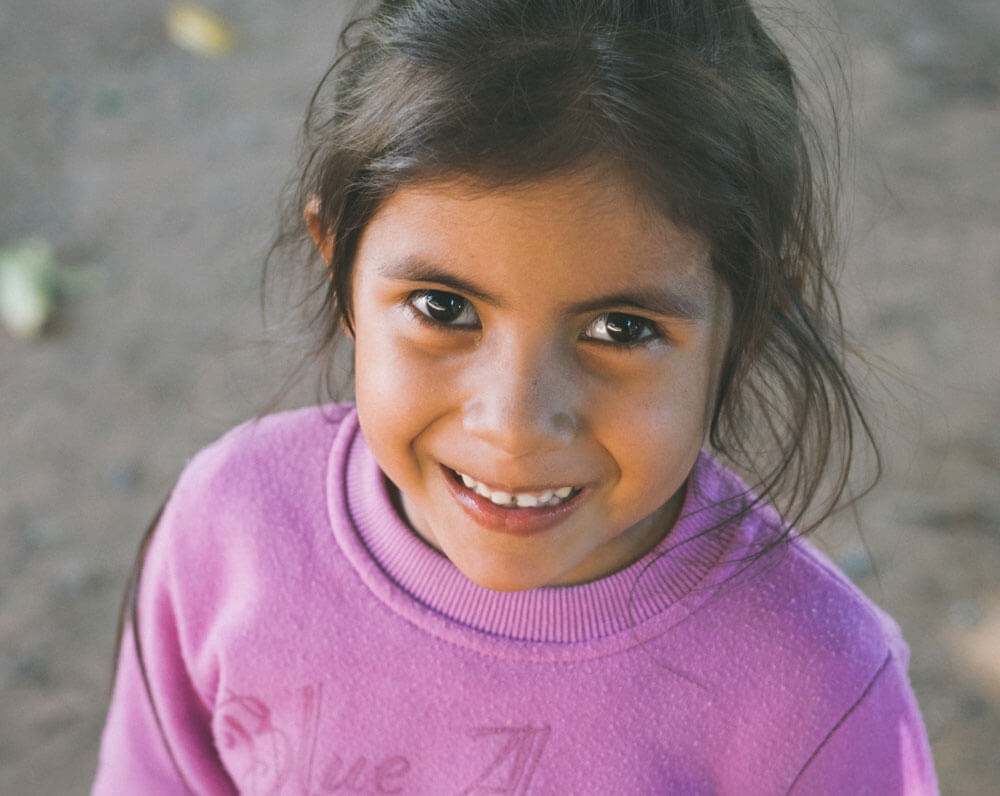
[656,300]
[414,269]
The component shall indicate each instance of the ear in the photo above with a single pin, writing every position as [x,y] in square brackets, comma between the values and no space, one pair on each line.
[324,242]
[322,237]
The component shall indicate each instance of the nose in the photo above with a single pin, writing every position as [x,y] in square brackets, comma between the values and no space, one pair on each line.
[523,400]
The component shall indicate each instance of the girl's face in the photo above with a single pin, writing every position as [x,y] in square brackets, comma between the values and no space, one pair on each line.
[535,369]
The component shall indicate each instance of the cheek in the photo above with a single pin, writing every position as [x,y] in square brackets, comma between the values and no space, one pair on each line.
[403,382]
[654,448]
[398,395]
[655,438]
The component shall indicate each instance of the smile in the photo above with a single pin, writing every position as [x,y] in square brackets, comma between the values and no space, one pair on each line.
[520,500]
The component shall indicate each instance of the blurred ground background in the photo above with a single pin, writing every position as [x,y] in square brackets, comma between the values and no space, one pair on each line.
[162,169]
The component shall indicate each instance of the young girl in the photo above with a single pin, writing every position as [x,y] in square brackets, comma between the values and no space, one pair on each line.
[573,242]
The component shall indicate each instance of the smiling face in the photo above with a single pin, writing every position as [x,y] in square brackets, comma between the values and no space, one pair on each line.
[535,369]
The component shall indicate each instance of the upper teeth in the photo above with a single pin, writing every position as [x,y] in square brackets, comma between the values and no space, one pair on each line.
[522,500]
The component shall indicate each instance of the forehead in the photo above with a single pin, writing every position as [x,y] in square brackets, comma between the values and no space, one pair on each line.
[585,230]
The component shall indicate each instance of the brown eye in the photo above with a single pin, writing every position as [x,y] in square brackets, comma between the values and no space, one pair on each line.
[621,328]
[445,308]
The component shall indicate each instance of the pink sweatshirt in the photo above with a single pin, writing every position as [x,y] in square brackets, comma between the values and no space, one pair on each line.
[299,639]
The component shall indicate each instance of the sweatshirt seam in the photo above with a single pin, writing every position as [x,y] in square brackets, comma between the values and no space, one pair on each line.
[840,722]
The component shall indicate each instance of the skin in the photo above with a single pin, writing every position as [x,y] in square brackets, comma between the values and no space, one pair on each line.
[522,386]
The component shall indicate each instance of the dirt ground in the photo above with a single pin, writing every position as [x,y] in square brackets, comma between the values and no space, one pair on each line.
[162,169]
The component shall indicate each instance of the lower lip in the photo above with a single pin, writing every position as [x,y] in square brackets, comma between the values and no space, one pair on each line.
[511,521]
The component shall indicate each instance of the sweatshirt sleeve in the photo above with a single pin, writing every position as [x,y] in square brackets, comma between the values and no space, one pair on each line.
[158,735]
[878,747]
[167,731]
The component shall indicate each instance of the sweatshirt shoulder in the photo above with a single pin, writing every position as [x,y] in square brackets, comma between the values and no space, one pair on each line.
[791,595]
[264,446]
[821,627]
[840,613]
[252,499]
[795,647]
[263,464]
[866,734]
[783,614]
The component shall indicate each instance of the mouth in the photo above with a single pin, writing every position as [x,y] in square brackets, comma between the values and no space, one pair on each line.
[543,498]
[520,512]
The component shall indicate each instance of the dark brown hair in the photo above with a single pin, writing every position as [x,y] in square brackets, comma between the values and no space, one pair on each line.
[693,101]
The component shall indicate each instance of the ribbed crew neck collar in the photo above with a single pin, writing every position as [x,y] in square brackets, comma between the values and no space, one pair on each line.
[423,585]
